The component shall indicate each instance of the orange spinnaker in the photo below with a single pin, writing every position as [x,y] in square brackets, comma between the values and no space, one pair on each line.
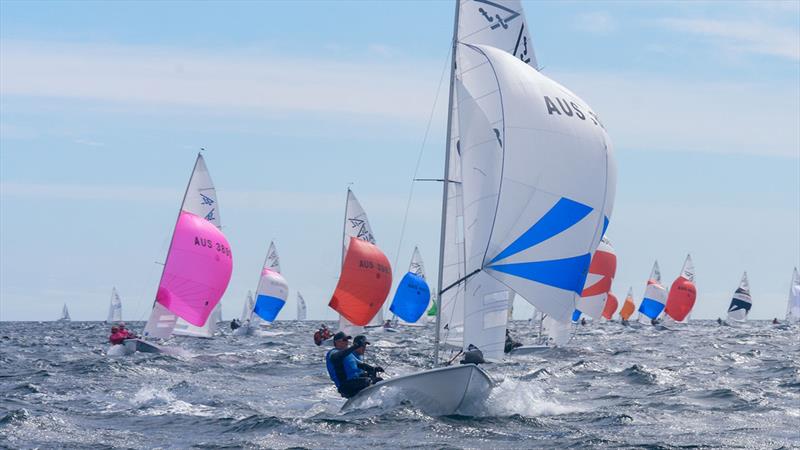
[364,283]
[627,309]
[611,306]
[681,299]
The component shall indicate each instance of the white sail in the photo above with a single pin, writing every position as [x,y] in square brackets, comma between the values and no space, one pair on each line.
[538,179]
[301,307]
[793,307]
[500,24]
[655,273]
[741,301]
[273,260]
[114,307]
[356,224]
[247,307]
[64,314]
[200,199]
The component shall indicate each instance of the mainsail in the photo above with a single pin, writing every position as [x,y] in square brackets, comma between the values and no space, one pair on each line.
[500,24]
[682,294]
[64,314]
[413,294]
[199,261]
[363,284]
[741,301]
[629,307]
[114,307]
[247,308]
[598,282]
[655,296]
[356,225]
[301,307]
[793,307]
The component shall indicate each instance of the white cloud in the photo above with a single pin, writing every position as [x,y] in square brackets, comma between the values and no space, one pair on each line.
[743,36]
[599,22]
[244,81]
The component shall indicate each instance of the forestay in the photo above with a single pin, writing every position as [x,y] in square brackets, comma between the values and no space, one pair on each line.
[683,293]
[655,296]
[793,306]
[115,307]
[741,301]
[199,261]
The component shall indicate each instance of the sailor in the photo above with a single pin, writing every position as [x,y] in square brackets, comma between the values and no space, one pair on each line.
[322,334]
[387,324]
[473,355]
[511,344]
[775,321]
[719,321]
[339,360]
[583,321]
[360,368]
[125,332]
[235,323]
[116,337]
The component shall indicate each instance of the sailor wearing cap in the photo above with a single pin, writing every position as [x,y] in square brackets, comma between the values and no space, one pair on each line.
[347,372]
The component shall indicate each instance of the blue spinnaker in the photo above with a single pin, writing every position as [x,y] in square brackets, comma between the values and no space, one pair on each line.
[411,298]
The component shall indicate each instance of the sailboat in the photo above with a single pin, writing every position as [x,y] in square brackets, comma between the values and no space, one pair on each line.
[114,307]
[64,315]
[271,294]
[359,298]
[628,308]
[655,297]
[413,294]
[740,303]
[301,307]
[598,283]
[793,306]
[198,265]
[682,294]
[529,188]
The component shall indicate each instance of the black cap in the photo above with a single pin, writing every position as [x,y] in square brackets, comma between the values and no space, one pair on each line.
[360,341]
[339,336]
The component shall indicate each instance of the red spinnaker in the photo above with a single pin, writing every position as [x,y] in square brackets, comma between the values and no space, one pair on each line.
[681,299]
[611,306]
[364,283]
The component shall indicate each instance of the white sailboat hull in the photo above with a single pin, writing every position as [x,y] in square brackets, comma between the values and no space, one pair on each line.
[528,350]
[441,391]
[138,345]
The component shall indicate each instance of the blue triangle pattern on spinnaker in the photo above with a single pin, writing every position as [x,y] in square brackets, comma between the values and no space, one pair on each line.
[564,214]
[568,273]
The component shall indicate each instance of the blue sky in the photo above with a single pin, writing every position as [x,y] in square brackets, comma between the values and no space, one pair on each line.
[103,106]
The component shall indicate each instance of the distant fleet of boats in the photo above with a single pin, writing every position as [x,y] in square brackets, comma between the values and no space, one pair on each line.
[528,190]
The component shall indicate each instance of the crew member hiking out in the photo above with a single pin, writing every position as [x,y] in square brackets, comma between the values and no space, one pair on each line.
[345,370]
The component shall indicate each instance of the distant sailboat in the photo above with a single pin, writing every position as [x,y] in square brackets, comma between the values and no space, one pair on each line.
[682,294]
[611,306]
[741,302]
[413,294]
[301,307]
[360,294]
[598,283]
[114,307]
[271,294]
[198,264]
[655,297]
[628,308]
[793,306]
[64,314]
[517,175]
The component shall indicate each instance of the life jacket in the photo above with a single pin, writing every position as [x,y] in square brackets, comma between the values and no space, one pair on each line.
[117,338]
[336,374]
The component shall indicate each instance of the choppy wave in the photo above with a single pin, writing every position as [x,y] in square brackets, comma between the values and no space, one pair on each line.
[699,385]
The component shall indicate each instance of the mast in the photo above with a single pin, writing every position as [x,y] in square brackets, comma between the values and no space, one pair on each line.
[446,183]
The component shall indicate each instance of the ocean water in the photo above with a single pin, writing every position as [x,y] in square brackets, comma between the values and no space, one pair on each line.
[698,385]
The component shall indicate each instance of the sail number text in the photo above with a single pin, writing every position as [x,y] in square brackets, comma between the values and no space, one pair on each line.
[371,265]
[570,109]
[208,243]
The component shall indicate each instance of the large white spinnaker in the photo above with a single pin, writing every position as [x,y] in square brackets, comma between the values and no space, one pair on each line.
[538,182]
[793,306]
[301,307]
[200,200]
[500,24]
[114,307]
[356,224]
[741,301]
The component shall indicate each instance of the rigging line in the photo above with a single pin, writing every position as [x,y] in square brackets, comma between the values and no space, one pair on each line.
[419,157]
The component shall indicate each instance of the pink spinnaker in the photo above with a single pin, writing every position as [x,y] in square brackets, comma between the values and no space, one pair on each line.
[198,269]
